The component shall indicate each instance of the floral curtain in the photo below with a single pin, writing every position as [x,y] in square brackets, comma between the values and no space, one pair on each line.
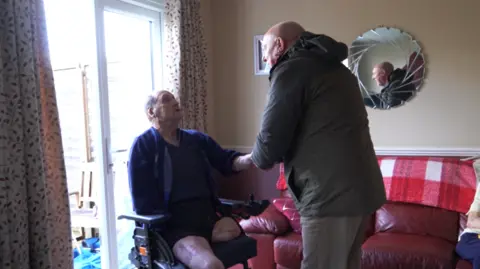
[187,60]
[34,211]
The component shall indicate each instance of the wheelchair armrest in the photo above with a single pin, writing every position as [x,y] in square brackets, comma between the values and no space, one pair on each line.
[234,204]
[146,219]
[243,209]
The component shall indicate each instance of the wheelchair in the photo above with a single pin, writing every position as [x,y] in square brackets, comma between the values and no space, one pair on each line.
[152,252]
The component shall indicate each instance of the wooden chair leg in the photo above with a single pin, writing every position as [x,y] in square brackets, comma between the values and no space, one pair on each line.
[76,244]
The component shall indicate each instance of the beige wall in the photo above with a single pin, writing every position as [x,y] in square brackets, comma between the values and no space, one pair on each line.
[444,114]
[206,13]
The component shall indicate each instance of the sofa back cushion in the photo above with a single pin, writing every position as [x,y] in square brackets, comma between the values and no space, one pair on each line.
[417,219]
[287,207]
[271,221]
[285,194]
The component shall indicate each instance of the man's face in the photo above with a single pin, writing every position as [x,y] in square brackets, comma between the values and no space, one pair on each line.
[167,107]
[271,49]
[380,76]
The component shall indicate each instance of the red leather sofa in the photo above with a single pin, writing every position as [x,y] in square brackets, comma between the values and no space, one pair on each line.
[399,235]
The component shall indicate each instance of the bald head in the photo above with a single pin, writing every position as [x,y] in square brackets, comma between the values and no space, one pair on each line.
[385,66]
[381,72]
[288,30]
[278,39]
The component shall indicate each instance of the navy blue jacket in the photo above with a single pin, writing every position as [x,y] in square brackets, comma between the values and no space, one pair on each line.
[150,172]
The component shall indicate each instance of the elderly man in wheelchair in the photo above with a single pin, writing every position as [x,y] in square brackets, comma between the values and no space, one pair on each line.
[180,222]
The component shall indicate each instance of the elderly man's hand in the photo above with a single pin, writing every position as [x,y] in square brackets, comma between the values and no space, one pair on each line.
[242,162]
[225,230]
[473,220]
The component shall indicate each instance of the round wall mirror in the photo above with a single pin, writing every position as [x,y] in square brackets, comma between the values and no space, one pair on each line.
[389,65]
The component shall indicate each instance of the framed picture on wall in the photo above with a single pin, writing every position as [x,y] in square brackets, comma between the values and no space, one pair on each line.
[260,66]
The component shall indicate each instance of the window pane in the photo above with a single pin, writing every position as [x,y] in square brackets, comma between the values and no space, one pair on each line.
[70,33]
[129,67]
[68,88]
[129,59]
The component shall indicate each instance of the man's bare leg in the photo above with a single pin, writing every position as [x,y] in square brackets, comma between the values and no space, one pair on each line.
[225,229]
[195,252]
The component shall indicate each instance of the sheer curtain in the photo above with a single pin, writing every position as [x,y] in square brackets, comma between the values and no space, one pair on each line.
[187,60]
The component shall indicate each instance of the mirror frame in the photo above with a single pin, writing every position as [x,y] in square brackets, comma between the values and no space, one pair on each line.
[354,62]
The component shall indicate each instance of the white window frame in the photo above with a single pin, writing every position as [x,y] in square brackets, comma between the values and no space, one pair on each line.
[153,11]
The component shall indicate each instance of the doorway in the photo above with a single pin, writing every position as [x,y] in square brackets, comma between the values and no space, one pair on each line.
[106,56]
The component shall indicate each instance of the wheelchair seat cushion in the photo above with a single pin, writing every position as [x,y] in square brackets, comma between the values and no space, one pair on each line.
[235,251]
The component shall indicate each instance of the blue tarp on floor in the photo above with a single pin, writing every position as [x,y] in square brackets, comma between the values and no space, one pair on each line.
[89,258]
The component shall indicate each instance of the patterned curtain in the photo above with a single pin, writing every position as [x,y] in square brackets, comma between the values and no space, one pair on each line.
[34,211]
[187,60]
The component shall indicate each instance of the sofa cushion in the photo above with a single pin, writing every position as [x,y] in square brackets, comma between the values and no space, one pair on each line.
[390,250]
[265,256]
[288,250]
[417,219]
[270,221]
[463,264]
[288,209]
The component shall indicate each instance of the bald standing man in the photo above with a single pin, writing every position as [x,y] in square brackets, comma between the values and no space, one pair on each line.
[381,73]
[316,123]
[398,87]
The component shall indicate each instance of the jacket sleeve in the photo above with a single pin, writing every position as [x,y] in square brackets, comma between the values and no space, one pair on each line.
[144,191]
[221,159]
[280,117]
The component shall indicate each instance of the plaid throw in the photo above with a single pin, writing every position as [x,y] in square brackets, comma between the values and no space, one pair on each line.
[446,183]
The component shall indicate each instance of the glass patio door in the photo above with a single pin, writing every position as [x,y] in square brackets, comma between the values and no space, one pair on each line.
[129,68]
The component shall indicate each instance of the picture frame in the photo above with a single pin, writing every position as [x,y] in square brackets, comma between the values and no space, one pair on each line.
[260,67]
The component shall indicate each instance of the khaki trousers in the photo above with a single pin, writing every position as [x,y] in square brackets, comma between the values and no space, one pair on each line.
[332,242]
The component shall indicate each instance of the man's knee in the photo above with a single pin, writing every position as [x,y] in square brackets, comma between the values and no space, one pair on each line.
[195,252]
[206,261]
[213,263]
[225,229]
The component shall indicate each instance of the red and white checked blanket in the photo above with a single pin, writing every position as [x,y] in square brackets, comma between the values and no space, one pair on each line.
[446,183]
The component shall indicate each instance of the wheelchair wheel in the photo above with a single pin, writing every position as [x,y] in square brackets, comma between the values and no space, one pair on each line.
[161,251]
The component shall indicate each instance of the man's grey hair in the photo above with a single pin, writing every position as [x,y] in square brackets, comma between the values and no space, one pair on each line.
[151,101]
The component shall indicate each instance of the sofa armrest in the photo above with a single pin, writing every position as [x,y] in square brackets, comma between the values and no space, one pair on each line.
[271,221]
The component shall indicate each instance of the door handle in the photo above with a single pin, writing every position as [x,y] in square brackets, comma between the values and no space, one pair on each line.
[119,151]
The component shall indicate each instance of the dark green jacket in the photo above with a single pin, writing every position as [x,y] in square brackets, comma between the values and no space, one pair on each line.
[316,123]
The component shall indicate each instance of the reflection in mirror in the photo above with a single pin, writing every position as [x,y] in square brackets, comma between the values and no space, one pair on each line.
[389,65]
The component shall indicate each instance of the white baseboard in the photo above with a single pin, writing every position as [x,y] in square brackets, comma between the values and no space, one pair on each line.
[392,151]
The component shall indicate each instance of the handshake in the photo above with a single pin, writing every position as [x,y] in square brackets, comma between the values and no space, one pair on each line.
[242,162]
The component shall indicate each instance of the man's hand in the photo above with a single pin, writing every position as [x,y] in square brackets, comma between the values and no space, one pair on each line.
[242,162]
[225,230]
[473,220]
